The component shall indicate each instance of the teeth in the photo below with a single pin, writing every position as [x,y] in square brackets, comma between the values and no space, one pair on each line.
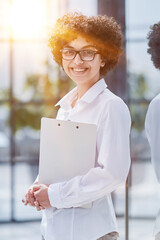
[79,69]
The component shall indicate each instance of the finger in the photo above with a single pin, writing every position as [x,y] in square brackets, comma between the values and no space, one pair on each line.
[31,191]
[32,202]
[42,208]
[25,200]
[38,208]
[37,205]
[31,198]
[36,194]
[36,187]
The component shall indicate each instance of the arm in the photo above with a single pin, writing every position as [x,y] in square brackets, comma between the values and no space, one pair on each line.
[152,126]
[113,157]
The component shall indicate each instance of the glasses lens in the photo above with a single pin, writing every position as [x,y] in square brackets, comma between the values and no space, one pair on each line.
[68,54]
[87,55]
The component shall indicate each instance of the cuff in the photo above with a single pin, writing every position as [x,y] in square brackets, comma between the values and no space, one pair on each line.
[54,195]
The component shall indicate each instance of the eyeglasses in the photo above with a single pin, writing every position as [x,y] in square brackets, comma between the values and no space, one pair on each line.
[85,55]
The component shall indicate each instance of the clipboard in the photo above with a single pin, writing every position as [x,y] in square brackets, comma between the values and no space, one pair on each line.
[67,149]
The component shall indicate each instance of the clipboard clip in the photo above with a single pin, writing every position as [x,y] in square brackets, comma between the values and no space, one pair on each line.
[68,120]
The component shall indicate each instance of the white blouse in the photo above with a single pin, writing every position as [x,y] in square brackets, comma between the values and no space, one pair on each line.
[152,126]
[67,219]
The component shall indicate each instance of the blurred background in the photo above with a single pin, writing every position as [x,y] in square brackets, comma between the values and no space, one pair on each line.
[31,83]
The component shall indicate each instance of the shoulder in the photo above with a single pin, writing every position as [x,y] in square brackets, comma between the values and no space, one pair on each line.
[153,111]
[153,114]
[111,100]
[155,103]
[114,108]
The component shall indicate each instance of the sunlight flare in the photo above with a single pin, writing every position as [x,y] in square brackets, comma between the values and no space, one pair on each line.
[27,18]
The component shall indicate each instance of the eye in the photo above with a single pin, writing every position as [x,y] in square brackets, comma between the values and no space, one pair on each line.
[87,52]
[68,52]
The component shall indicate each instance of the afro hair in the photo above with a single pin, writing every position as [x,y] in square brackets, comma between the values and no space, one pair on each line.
[102,31]
[154,44]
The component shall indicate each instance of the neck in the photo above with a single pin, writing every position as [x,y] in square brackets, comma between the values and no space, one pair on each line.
[83,88]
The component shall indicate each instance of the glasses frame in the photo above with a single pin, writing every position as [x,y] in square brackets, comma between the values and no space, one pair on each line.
[79,53]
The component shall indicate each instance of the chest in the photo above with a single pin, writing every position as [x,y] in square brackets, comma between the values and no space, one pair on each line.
[87,113]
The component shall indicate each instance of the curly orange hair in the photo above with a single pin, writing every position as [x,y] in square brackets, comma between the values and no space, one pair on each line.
[102,31]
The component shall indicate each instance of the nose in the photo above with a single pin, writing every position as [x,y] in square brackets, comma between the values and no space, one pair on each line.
[77,60]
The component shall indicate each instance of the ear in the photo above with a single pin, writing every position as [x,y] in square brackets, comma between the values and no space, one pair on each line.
[103,64]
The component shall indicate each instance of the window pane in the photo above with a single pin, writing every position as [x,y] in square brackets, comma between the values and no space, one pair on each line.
[5,192]
[4,19]
[144,195]
[24,231]
[29,66]
[144,200]
[27,125]
[146,14]
[4,134]
[139,143]
[25,175]
[87,7]
[143,78]
[36,75]
[4,70]
[141,229]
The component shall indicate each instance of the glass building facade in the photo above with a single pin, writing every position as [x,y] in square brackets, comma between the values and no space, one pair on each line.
[31,83]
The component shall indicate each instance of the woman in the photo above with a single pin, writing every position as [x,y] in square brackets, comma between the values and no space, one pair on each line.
[152,122]
[87,48]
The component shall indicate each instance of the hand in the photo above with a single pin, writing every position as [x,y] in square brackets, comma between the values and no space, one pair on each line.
[37,205]
[29,196]
[41,196]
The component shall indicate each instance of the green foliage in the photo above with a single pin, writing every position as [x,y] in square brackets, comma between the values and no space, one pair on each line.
[4,94]
[138,91]
[138,86]
[27,116]
[138,113]
[44,92]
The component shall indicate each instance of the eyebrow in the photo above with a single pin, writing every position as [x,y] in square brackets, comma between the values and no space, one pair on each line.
[87,46]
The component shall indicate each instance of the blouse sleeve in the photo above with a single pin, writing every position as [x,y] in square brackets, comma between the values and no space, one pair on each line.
[152,126]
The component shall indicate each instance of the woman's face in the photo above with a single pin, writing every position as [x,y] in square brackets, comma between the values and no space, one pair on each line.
[80,71]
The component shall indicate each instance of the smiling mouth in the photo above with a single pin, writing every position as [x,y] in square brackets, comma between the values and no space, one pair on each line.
[79,70]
